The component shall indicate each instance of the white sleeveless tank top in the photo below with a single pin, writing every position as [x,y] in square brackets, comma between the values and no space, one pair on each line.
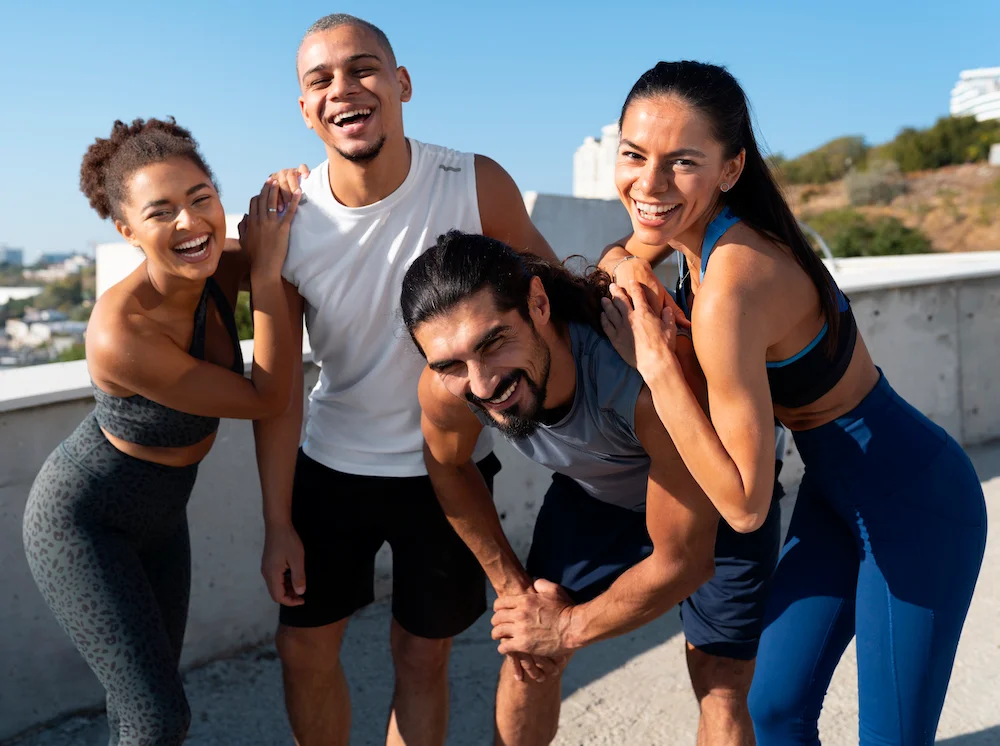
[348,265]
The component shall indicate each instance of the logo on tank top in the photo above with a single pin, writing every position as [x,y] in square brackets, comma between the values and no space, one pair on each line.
[449,168]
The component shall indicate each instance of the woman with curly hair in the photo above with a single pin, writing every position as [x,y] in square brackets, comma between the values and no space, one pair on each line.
[105,526]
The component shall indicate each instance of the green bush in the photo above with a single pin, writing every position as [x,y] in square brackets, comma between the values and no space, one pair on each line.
[878,185]
[827,163]
[244,317]
[951,140]
[849,233]
[76,352]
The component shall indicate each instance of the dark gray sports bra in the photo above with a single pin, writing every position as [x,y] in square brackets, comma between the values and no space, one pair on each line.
[145,422]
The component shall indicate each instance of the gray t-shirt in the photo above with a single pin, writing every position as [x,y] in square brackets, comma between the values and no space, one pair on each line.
[595,443]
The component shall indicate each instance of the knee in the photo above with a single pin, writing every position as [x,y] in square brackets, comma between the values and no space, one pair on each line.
[780,712]
[309,648]
[164,723]
[725,681]
[419,657]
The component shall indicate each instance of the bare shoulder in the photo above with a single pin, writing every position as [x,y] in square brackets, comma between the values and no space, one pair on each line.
[489,173]
[118,329]
[498,194]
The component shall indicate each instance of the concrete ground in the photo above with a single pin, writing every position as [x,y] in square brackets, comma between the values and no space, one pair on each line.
[631,690]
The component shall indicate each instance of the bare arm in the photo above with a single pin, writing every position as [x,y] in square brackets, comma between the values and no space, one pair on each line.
[277,441]
[682,524]
[136,354]
[502,211]
[731,456]
[450,434]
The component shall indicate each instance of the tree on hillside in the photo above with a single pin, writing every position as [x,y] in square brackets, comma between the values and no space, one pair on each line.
[826,163]
[950,141]
[849,233]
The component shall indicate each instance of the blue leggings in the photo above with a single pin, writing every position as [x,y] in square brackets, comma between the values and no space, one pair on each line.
[885,543]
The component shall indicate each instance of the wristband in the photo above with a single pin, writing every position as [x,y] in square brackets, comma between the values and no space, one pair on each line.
[620,263]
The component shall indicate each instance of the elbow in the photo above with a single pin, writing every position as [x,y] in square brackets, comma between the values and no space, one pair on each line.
[746,523]
[749,513]
[274,404]
[678,577]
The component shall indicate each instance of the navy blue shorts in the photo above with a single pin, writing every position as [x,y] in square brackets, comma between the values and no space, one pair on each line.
[584,544]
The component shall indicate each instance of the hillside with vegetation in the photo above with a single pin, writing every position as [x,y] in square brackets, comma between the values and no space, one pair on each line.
[926,190]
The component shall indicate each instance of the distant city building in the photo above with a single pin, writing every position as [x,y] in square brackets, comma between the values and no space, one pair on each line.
[70,264]
[977,94]
[11,257]
[594,165]
[50,259]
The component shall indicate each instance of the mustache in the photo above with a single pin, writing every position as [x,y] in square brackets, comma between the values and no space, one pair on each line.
[504,384]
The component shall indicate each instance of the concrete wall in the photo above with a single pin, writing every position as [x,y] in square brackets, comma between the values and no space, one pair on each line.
[939,344]
[577,226]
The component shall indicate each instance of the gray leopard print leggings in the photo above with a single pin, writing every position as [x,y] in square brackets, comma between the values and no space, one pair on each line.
[106,537]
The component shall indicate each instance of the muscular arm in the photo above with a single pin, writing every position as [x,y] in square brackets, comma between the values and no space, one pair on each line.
[277,438]
[502,211]
[135,354]
[731,456]
[682,524]
[450,434]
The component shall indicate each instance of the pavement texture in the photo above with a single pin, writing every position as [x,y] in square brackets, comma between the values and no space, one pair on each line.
[630,690]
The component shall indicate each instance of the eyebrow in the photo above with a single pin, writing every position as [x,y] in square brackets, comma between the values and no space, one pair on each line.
[674,154]
[188,193]
[490,336]
[324,67]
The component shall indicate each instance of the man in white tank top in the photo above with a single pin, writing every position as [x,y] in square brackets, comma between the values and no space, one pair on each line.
[359,479]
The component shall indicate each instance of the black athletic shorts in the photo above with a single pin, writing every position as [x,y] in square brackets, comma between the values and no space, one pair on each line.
[584,544]
[438,586]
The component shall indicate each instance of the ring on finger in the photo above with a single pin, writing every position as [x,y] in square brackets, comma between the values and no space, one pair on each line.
[272,209]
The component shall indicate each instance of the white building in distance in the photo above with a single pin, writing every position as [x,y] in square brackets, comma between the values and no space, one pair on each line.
[977,94]
[11,256]
[594,165]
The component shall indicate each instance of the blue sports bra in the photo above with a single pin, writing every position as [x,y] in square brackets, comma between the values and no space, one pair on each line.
[809,374]
[145,422]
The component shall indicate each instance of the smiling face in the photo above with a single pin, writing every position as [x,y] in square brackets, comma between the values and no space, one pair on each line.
[670,169]
[352,92]
[496,360]
[173,213]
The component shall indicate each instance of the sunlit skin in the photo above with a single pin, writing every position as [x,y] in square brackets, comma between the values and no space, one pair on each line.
[169,204]
[668,157]
[342,70]
[478,351]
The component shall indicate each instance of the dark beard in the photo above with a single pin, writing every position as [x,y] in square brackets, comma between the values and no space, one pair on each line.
[365,155]
[516,424]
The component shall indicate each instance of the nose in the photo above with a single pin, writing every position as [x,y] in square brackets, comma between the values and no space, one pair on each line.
[482,383]
[185,220]
[339,87]
[652,179]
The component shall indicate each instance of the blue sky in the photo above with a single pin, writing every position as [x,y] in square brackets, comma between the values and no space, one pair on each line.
[522,82]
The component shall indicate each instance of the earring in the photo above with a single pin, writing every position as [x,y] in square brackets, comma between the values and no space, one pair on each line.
[724,186]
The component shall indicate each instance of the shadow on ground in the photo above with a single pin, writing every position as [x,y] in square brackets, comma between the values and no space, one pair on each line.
[988,737]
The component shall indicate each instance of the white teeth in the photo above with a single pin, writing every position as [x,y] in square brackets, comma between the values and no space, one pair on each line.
[506,395]
[353,113]
[654,209]
[192,243]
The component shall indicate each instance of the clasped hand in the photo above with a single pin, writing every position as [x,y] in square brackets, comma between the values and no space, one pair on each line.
[536,623]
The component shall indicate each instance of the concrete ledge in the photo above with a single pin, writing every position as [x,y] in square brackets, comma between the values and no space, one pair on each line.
[38,385]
